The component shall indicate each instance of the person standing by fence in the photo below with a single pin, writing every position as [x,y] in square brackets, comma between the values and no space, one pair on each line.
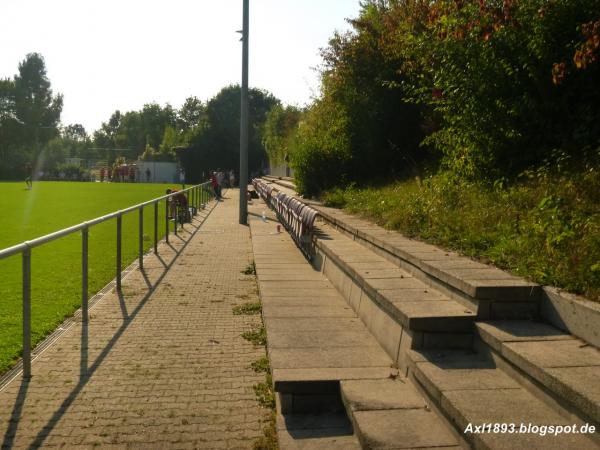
[215,185]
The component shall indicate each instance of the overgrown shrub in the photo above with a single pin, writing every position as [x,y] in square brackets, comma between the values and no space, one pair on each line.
[545,227]
[492,87]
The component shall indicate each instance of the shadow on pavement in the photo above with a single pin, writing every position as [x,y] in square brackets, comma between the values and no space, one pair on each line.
[85,371]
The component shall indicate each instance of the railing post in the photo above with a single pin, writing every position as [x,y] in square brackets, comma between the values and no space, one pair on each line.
[119,226]
[193,203]
[156,228]
[27,313]
[84,274]
[141,238]
[176,217]
[167,220]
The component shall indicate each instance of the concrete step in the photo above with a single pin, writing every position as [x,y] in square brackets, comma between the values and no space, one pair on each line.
[400,311]
[314,338]
[315,432]
[491,291]
[471,390]
[392,414]
[568,368]
[286,182]
[407,300]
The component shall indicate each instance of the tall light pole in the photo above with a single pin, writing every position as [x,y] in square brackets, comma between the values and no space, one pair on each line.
[244,122]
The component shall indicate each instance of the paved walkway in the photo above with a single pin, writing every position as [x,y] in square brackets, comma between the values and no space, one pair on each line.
[162,368]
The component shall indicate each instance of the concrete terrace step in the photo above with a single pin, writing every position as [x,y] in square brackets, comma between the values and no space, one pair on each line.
[495,292]
[407,300]
[314,340]
[286,182]
[567,367]
[392,414]
[470,389]
[316,432]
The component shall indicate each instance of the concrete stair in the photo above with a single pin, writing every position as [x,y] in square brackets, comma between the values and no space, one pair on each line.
[471,388]
[392,414]
[490,292]
[401,311]
[531,372]
[565,367]
[466,339]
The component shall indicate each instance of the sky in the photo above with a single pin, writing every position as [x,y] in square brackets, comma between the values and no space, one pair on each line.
[104,55]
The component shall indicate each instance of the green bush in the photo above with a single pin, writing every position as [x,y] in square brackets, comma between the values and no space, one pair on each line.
[502,79]
[321,149]
[545,227]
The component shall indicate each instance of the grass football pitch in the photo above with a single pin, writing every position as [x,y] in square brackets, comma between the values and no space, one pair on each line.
[56,267]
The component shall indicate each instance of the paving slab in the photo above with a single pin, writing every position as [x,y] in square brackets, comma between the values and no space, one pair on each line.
[489,273]
[459,371]
[328,357]
[368,395]
[398,283]
[318,339]
[270,300]
[307,311]
[580,386]
[318,439]
[290,276]
[308,324]
[374,273]
[435,316]
[333,373]
[562,353]
[512,406]
[569,368]
[296,285]
[295,292]
[402,429]
[412,295]
[495,333]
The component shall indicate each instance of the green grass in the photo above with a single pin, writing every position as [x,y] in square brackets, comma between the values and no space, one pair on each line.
[56,267]
[257,336]
[247,308]
[545,227]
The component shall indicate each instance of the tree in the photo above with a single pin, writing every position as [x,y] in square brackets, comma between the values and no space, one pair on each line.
[37,109]
[216,143]
[29,116]
[75,132]
[191,114]
[279,132]
[10,131]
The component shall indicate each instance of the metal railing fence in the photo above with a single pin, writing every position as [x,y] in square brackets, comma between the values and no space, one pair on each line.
[297,217]
[196,197]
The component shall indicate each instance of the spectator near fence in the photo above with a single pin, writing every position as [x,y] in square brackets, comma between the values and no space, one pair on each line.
[215,185]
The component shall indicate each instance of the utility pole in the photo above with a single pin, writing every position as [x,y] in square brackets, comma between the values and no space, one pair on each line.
[244,122]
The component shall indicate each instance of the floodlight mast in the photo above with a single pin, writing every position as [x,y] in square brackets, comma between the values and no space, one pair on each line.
[244,121]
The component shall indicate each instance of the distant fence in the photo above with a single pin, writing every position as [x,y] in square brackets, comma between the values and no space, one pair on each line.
[195,197]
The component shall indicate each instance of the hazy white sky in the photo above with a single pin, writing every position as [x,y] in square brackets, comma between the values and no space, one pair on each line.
[104,55]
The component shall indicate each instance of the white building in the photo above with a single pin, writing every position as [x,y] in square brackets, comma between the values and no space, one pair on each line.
[156,172]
